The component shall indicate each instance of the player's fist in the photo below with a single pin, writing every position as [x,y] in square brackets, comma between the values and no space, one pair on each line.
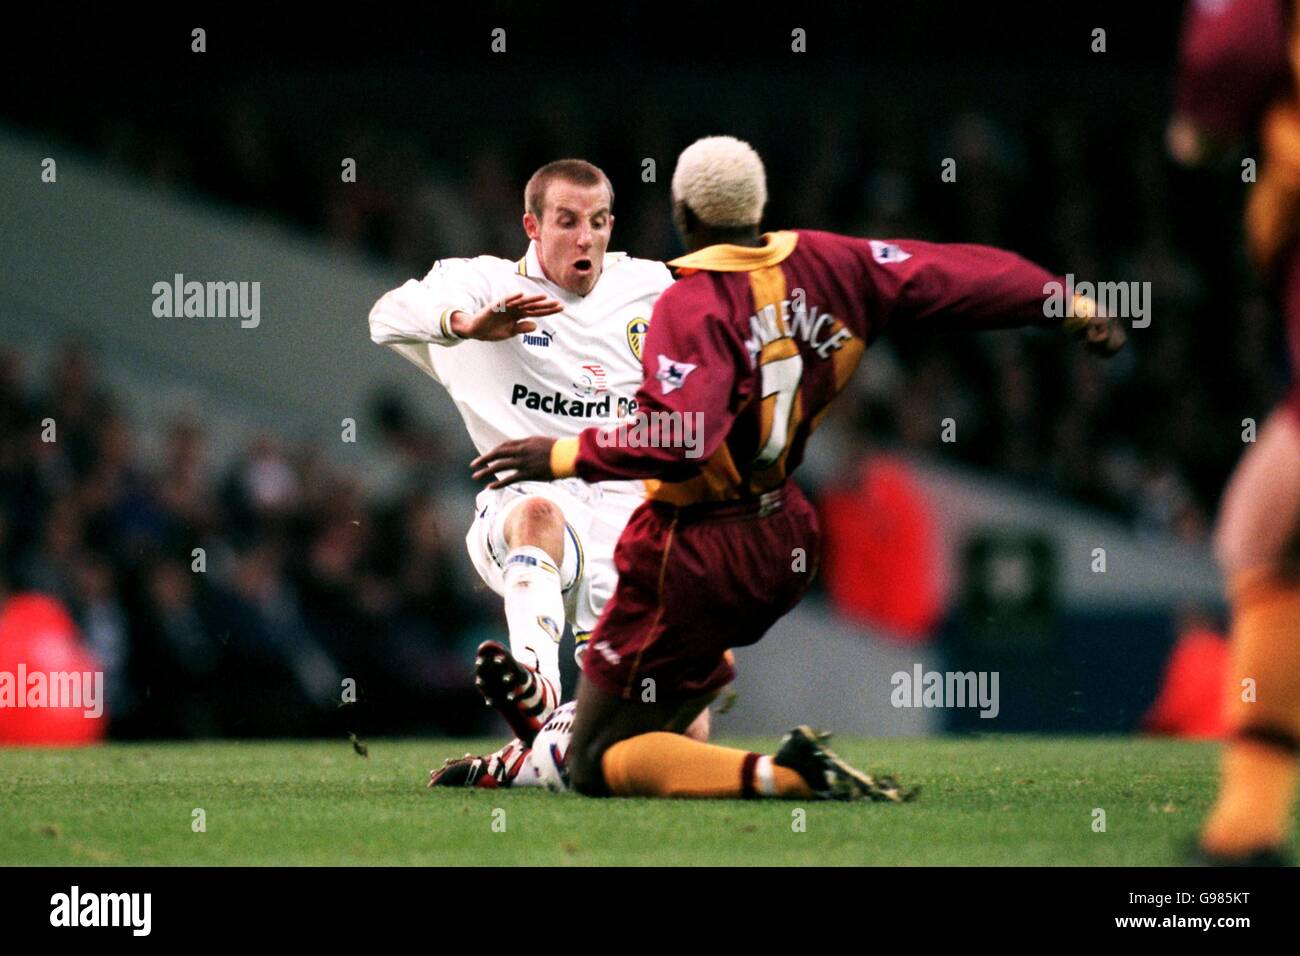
[505,319]
[1101,334]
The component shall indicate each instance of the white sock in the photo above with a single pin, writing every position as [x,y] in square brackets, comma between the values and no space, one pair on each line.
[764,778]
[535,613]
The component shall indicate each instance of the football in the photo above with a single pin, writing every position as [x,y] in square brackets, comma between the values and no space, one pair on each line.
[551,747]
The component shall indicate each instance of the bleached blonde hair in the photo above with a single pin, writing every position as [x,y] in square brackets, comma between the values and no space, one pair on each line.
[722,180]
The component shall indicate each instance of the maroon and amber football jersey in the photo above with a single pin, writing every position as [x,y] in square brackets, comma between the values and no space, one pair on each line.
[747,349]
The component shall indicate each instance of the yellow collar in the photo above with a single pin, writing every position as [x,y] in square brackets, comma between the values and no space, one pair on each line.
[531,264]
[728,258]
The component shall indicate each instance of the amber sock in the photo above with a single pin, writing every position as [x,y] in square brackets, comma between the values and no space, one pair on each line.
[1258,770]
[670,765]
[1256,794]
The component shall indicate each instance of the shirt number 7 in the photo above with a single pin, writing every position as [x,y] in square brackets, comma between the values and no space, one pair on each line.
[779,380]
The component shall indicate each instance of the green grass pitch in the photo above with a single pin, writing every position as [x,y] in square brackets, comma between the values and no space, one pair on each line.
[984,801]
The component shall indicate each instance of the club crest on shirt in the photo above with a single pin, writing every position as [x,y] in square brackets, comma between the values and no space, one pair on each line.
[672,373]
[636,330]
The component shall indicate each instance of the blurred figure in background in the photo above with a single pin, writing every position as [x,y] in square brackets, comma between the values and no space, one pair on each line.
[1240,72]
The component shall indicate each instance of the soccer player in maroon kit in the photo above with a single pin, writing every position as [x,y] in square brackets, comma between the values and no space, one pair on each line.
[743,356]
[1240,74]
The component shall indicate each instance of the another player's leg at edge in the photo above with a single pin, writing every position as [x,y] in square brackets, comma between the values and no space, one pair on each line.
[1257,540]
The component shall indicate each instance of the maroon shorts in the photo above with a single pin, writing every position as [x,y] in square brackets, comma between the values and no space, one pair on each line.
[694,582]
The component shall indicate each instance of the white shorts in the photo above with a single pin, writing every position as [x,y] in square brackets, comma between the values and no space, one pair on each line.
[594,517]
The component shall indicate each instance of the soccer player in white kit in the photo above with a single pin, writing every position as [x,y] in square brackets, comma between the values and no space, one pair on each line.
[545,345]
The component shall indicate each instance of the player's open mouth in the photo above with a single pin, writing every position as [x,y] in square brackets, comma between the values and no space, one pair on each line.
[582,265]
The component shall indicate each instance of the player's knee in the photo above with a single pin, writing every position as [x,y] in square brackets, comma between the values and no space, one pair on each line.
[531,519]
[1239,547]
[539,523]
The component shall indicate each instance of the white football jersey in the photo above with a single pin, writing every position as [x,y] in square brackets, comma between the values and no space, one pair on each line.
[580,367]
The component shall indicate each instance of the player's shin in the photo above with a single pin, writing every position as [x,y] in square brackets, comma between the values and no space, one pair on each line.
[535,615]
[671,765]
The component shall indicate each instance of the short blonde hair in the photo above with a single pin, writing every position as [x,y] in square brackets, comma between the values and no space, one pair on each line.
[722,180]
[576,171]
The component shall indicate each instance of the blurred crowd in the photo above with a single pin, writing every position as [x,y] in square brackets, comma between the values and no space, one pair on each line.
[262,596]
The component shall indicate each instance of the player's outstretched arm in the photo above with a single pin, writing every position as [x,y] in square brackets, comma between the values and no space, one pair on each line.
[454,302]
[509,317]
[911,283]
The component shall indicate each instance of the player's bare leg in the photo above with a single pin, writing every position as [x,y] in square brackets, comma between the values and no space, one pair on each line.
[524,685]
[700,726]
[634,748]
[1259,521]
[1258,547]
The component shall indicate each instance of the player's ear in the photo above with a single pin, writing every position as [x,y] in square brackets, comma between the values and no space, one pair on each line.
[682,219]
[690,222]
[532,228]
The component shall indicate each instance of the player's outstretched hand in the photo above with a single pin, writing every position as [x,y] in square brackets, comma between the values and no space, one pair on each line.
[509,317]
[1102,335]
[528,458]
